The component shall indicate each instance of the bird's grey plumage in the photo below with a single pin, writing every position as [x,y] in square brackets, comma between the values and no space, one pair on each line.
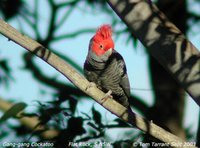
[109,75]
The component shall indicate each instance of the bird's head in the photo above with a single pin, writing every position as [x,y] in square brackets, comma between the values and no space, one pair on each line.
[102,45]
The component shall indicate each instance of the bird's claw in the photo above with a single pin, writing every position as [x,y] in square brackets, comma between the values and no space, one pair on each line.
[107,96]
[91,84]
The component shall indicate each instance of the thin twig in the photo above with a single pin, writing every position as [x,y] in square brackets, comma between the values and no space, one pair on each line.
[73,34]
[69,2]
[65,16]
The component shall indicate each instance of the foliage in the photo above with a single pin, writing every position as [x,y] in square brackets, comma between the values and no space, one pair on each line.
[5,72]
[13,111]
[10,8]
[61,112]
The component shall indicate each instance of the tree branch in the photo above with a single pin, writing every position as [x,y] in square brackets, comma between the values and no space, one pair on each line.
[164,41]
[68,3]
[38,75]
[83,84]
[198,133]
[135,101]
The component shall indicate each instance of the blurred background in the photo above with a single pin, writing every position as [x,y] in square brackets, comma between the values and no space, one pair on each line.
[65,27]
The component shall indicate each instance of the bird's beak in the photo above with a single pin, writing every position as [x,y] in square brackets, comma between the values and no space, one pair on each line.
[109,51]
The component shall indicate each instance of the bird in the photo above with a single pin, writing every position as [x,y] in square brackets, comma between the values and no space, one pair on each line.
[106,68]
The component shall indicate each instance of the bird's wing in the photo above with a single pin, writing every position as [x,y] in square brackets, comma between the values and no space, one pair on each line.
[124,81]
[125,85]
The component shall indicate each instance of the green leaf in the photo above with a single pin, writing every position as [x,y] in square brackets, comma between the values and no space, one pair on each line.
[4,66]
[13,111]
[135,42]
[75,124]
[121,123]
[96,116]
[73,104]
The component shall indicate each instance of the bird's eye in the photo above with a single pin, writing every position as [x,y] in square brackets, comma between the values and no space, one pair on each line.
[101,46]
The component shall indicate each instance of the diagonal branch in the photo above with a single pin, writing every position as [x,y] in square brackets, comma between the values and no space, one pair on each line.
[65,16]
[41,77]
[38,75]
[164,41]
[82,83]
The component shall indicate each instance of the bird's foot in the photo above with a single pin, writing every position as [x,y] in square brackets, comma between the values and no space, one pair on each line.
[91,84]
[107,96]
